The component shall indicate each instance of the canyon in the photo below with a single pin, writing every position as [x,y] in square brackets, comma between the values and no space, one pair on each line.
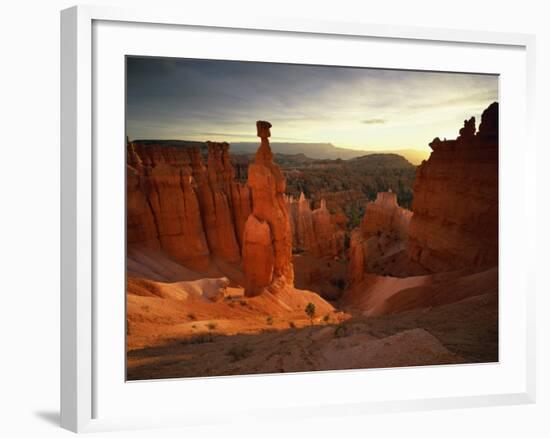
[226,254]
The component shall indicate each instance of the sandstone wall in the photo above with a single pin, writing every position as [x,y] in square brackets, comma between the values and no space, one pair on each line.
[176,203]
[455,204]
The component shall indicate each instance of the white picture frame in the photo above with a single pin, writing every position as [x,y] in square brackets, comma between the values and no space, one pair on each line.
[80,339]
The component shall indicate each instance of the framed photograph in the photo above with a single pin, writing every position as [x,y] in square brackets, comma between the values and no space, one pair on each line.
[268,219]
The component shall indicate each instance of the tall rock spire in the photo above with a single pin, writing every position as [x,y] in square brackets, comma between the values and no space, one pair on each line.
[267,239]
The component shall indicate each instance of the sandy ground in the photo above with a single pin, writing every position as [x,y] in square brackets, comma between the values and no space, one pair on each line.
[379,295]
[462,332]
[186,324]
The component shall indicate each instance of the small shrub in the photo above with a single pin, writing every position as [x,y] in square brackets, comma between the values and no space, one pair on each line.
[310,312]
[192,316]
[243,303]
[326,318]
[211,325]
[239,352]
[291,324]
[269,320]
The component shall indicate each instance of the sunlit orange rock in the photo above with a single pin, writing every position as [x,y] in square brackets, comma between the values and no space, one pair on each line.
[212,189]
[267,184]
[195,212]
[140,222]
[221,177]
[301,219]
[258,255]
[162,208]
[241,200]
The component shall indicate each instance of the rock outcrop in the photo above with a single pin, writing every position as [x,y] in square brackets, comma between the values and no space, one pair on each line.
[214,183]
[258,254]
[267,237]
[384,215]
[191,211]
[455,205]
[317,231]
[163,208]
[383,231]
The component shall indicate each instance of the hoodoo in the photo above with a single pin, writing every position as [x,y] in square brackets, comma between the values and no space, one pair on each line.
[267,230]
[317,231]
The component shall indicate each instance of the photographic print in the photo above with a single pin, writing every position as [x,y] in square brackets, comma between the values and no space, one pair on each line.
[300,218]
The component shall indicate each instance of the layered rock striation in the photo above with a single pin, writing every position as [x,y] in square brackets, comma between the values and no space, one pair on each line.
[316,231]
[455,205]
[267,238]
[176,203]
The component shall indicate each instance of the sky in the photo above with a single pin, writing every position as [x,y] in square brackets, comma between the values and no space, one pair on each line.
[357,108]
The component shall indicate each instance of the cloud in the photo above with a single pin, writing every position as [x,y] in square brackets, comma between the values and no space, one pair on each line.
[373,121]
[193,99]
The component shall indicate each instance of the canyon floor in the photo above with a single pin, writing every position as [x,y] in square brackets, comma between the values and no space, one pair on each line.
[180,325]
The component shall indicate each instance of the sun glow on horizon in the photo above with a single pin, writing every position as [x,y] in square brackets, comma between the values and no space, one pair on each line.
[353,108]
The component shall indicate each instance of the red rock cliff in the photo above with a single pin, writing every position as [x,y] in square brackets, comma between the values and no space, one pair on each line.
[267,238]
[176,203]
[455,204]
[317,231]
[162,204]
